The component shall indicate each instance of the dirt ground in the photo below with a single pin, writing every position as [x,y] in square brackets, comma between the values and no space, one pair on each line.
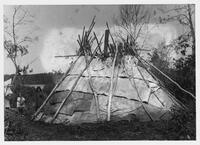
[21,128]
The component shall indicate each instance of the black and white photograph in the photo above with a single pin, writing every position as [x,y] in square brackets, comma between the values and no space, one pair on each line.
[99,72]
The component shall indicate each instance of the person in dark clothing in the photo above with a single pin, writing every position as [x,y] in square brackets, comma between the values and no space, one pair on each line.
[39,98]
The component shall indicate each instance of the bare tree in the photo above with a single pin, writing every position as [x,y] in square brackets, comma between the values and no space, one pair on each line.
[15,42]
[184,14]
[133,19]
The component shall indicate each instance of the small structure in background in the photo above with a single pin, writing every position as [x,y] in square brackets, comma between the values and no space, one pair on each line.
[37,80]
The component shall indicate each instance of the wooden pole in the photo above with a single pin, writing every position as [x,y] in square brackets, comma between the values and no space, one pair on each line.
[89,79]
[66,55]
[111,86]
[97,42]
[70,92]
[171,80]
[106,42]
[134,86]
[94,94]
[111,35]
[91,26]
[141,100]
[55,87]
[149,87]
[170,95]
[74,85]
[117,76]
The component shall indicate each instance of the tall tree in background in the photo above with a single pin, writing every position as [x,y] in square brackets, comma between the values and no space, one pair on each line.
[133,19]
[184,14]
[16,41]
[183,70]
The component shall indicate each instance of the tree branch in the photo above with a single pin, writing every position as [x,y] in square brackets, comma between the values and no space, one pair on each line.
[8,33]
[24,40]
[22,18]
[175,9]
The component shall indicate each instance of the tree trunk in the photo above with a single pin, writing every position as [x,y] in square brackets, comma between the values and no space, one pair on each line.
[192,30]
[15,76]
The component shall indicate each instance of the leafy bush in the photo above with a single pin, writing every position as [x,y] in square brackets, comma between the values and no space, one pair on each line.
[184,122]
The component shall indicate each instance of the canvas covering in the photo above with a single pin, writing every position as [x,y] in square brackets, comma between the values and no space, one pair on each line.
[80,106]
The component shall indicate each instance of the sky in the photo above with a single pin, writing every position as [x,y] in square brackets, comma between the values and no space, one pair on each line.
[56,28]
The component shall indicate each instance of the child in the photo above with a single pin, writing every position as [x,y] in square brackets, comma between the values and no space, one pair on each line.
[20,104]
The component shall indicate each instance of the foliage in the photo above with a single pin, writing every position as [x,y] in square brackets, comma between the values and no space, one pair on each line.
[177,13]
[184,121]
[163,51]
[183,70]
[16,37]
[134,20]
[184,14]
[14,49]
[182,44]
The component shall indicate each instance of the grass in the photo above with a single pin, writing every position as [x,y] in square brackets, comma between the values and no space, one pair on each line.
[21,128]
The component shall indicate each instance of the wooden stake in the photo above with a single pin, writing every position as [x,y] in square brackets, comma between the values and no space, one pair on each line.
[64,100]
[141,101]
[171,80]
[94,94]
[111,35]
[97,42]
[66,56]
[106,41]
[74,85]
[90,81]
[176,101]
[70,92]
[55,87]
[134,86]
[91,26]
[111,86]
[149,87]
